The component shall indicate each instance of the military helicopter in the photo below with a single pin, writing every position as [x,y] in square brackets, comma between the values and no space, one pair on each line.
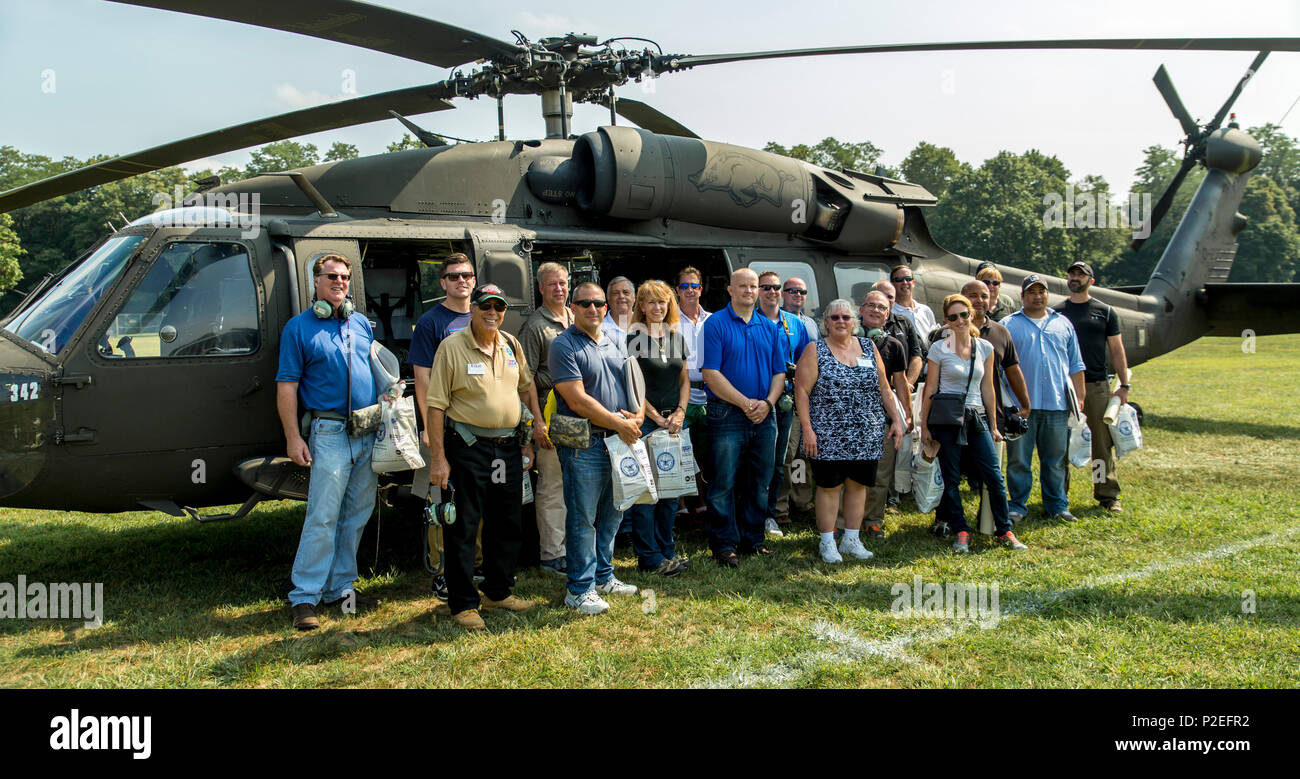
[179,313]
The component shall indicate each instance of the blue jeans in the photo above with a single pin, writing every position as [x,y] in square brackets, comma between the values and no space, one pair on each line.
[590,519]
[783,421]
[737,507]
[1047,431]
[652,524]
[982,459]
[340,498]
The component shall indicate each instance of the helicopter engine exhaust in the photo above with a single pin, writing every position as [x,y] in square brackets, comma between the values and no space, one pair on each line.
[630,173]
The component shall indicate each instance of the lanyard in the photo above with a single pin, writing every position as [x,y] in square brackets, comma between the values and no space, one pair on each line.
[786,325]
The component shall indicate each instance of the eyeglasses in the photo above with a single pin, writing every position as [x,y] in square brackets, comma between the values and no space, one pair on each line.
[902,279]
[769,287]
[458,276]
[589,303]
[958,315]
[992,283]
[875,307]
[795,291]
[840,318]
[495,305]
[688,285]
[336,276]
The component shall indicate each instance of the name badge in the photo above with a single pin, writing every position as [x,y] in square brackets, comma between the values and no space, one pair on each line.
[475,369]
[865,362]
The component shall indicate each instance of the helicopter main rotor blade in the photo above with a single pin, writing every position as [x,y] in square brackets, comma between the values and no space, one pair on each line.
[372,108]
[348,21]
[1223,111]
[1177,44]
[648,117]
[1166,200]
[1167,91]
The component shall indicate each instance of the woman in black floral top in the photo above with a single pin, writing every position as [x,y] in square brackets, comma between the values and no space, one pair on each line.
[838,390]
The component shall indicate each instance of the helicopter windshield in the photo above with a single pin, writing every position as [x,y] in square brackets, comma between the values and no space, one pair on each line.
[51,321]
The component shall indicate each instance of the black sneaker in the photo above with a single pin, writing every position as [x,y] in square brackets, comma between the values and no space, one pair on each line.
[479,576]
[727,559]
[940,529]
[440,587]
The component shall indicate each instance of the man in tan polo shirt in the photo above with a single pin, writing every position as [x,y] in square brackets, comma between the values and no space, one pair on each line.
[478,379]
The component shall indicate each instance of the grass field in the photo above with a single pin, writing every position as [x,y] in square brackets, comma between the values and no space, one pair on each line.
[1197,584]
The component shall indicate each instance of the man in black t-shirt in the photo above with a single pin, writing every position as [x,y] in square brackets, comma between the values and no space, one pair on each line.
[1097,326]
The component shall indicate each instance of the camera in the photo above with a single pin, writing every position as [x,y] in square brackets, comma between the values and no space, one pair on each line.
[1011,424]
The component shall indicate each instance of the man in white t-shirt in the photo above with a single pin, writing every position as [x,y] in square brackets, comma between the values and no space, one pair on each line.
[690,286]
[620,294]
[919,314]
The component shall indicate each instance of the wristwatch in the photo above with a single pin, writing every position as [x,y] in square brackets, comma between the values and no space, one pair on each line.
[1125,386]
[770,408]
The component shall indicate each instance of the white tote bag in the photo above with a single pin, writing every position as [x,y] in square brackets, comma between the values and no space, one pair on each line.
[1126,433]
[927,482]
[397,444]
[1080,452]
[630,470]
[665,452]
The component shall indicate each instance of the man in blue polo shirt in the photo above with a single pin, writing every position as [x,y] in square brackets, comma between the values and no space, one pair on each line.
[794,337]
[1049,358]
[325,363]
[590,382]
[744,369]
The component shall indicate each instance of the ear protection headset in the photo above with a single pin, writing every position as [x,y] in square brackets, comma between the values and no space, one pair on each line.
[323,310]
[443,513]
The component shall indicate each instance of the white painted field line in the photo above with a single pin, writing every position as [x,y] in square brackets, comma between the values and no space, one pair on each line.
[849,646]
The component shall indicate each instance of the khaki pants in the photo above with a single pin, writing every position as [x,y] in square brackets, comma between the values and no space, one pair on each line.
[878,495]
[799,492]
[548,502]
[1094,405]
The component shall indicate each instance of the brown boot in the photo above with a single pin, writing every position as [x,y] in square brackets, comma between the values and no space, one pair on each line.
[469,619]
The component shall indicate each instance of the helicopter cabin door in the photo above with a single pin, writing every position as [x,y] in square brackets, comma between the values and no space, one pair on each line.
[176,376]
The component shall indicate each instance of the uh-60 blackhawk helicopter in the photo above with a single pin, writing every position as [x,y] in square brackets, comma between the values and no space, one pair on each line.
[142,376]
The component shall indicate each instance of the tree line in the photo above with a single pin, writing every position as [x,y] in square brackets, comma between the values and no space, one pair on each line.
[1001,210]
[992,212]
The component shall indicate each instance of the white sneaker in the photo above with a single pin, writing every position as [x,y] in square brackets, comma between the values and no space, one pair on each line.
[853,546]
[773,529]
[829,553]
[587,603]
[615,587]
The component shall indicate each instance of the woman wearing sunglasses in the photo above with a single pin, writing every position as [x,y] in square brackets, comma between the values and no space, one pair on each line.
[838,391]
[963,366]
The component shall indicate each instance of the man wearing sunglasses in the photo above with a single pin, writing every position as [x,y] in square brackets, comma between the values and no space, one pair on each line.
[478,380]
[918,313]
[689,289]
[448,317]
[325,368]
[794,337]
[794,296]
[591,383]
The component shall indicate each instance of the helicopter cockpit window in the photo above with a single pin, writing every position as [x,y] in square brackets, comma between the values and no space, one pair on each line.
[787,269]
[53,319]
[198,300]
[854,279]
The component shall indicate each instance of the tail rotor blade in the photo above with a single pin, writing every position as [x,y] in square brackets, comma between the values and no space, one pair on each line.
[1167,91]
[1254,66]
[1166,200]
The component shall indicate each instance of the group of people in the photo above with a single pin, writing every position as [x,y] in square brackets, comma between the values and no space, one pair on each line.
[592,363]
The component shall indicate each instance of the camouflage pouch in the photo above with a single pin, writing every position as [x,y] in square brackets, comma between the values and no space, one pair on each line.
[573,432]
[364,421]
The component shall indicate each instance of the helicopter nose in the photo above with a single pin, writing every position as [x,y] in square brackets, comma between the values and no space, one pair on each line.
[26,416]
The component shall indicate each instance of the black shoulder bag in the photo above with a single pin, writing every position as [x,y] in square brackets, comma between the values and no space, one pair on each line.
[948,408]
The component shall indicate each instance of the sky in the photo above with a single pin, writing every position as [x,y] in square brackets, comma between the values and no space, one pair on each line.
[83,77]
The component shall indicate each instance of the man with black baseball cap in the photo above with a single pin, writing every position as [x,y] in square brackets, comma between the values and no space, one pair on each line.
[1049,358]
[478,380]
[1097,327]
